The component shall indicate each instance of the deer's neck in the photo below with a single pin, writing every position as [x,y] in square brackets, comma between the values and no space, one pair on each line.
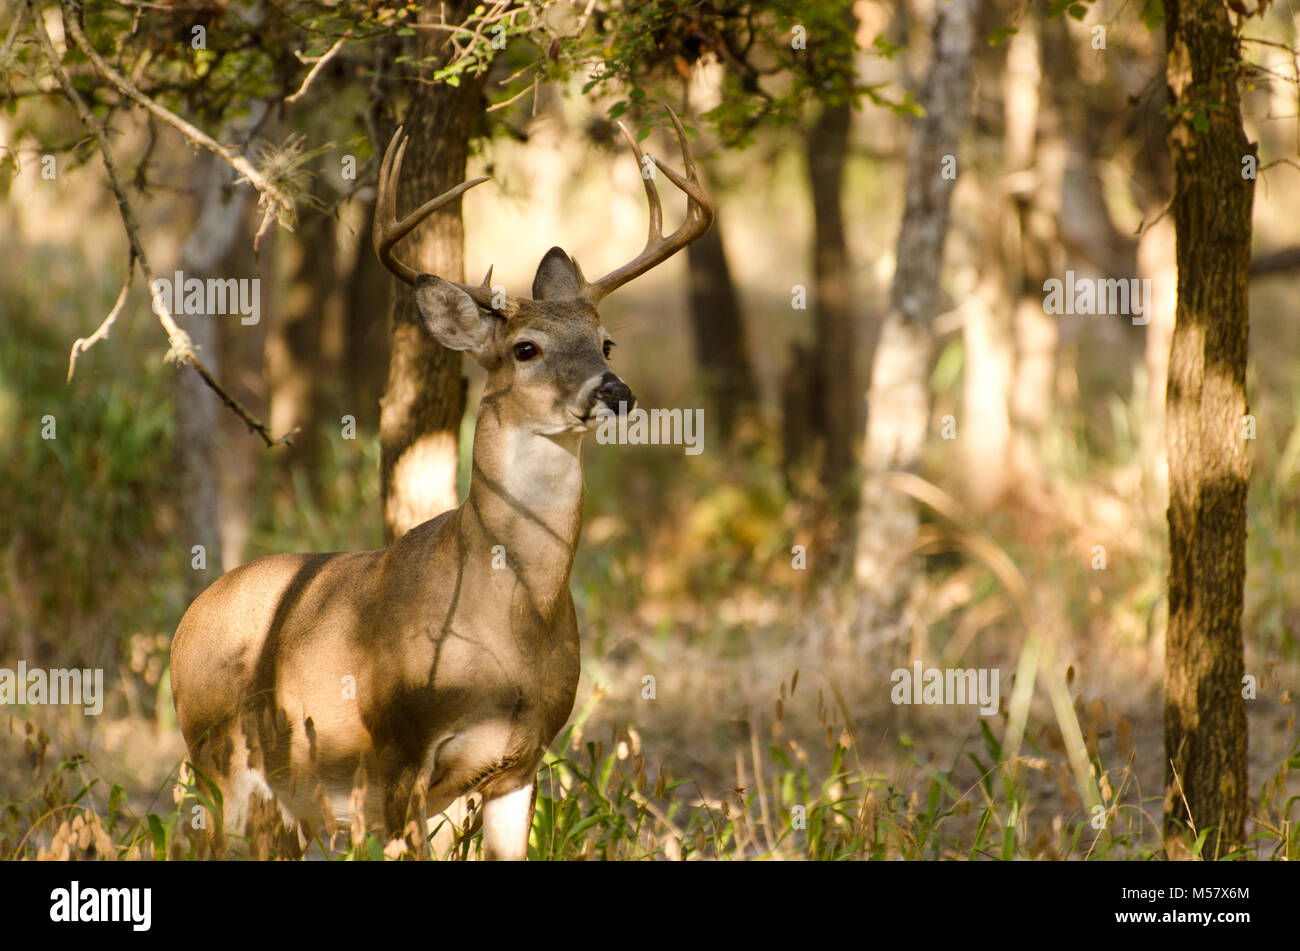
[526,496]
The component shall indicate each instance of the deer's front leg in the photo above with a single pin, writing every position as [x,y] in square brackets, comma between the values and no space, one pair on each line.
[507,818]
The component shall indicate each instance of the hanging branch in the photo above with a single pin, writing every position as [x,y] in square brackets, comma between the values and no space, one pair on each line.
[271,198]
[181,347]
[82,344]
[320,62]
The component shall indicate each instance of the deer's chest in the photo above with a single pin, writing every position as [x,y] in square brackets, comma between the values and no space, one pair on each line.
[491,707]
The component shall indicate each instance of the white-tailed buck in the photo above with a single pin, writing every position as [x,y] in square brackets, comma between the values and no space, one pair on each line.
[445,664]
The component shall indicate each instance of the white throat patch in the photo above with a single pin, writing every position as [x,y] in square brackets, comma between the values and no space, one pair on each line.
[542,471]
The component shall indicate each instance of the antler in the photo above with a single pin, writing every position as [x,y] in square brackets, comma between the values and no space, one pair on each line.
[388,230]
[699,215]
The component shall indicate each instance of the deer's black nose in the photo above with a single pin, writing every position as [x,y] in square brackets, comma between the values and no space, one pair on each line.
[614,393]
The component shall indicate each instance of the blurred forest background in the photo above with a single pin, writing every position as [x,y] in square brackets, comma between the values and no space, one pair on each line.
[854,312]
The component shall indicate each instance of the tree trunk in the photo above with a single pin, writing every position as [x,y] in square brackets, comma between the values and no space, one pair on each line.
[243,356]
[424,398]
[721,353]
[899,400]
[216,231]
[991,312]
[1205,714]
[833,343]
[987,378]
[1158,263]
[366,333]
[798,415]
[1033,387]
[295,368]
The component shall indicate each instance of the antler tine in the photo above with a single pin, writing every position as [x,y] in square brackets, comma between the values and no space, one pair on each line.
[389,229]
[699,205]
[386,217]
[699,216]
[651,190]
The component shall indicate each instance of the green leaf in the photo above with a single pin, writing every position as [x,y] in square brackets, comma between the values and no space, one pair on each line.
[990,742]
[908,107]
[1199,844]
[580,827]
[1078,11]
[985,774]
[979,832]
[158,835]
[999,35]
[1153,15]
[1200,121]
[115,797]
[886,48]
[947,368]
[932,798]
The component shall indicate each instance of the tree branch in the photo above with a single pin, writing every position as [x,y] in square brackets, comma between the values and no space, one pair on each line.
[320,64]
[1277,262]
[270,194]
[82,344]
[181,347]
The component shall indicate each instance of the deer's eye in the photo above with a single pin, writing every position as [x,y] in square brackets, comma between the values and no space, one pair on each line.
[609,348]
[526,351]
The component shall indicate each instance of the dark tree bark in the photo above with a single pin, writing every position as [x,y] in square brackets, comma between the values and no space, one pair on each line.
[833,337]
[295,369]
[366,333]
[1277,262]
[424,398]
[721,353]
[798,413]
[243,351]
[899,400]
[1209,472]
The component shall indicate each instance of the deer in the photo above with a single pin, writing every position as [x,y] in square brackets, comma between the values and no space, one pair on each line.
[444,665]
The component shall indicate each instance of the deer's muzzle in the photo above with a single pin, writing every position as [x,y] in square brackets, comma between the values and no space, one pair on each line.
[615,394]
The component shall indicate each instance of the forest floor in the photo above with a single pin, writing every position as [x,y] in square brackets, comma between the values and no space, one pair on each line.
[714,719]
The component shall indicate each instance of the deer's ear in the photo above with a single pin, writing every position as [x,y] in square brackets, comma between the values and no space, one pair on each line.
[451,315]
[557,277]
